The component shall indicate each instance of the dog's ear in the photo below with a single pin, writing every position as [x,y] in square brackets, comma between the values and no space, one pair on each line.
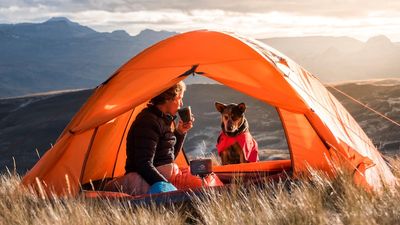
[220,107]
[242,107]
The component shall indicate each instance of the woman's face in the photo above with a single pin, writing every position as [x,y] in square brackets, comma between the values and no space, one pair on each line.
[175,104]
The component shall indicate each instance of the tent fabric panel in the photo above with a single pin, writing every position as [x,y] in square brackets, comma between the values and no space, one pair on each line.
[68,165]
[339,121]
[342,154]
[257,79]
[124,92]
[102,155]
[197,47]
[351,156]
[367,170]
[119,164]
[305,145]
[48,160]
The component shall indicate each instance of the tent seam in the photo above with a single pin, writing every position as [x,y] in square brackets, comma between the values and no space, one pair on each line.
[209,63]
[287,137]
[87,155]
[120,143]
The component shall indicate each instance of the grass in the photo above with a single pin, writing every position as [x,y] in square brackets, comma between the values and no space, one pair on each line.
[318,200]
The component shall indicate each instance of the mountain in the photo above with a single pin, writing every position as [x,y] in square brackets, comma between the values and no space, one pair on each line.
[53,29]
[342,58]
[60,54]
[313,45]
[34,122]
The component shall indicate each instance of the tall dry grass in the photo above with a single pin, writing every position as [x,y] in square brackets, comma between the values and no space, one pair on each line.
[318,200]
[19,205]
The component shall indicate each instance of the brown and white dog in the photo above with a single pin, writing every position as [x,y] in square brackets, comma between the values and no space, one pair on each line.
[235,143]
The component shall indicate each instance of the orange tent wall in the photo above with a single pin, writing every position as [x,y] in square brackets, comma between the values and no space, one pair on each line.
[306,147]
[59,169]
[339,129]
[107,143]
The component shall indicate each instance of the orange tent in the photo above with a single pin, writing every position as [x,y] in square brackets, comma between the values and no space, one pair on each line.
[318,128]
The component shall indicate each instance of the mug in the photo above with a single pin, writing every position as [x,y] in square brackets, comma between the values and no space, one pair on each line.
[185,114]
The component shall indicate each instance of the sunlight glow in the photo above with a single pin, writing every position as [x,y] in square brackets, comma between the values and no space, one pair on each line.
[255,24]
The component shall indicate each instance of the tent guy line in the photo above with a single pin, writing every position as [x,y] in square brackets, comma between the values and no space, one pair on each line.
[365,106]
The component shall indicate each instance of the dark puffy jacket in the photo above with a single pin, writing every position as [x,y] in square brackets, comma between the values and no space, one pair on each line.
[151,143]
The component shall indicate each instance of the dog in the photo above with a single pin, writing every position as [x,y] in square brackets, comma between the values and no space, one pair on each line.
[235,143]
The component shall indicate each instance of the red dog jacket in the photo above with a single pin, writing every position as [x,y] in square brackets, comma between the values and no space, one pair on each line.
[246,142]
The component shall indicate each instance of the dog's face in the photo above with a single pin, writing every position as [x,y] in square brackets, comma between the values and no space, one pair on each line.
[231,115]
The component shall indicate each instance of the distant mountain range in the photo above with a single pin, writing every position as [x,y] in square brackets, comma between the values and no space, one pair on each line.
[35,122]
[59,54]
[342,58]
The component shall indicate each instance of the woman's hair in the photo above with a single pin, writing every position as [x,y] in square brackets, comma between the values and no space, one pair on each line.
[169,94]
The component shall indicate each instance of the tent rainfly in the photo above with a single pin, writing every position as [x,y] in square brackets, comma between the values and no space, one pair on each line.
[318,128]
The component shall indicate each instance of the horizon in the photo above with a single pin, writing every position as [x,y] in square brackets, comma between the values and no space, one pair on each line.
[163,30]
[376,82]
[258,19]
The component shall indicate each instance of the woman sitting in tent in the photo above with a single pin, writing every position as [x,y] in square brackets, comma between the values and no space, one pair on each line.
[152,145]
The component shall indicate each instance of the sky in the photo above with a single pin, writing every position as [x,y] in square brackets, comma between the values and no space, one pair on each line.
[360,19]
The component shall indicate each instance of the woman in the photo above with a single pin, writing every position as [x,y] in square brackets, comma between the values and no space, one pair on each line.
[152,145]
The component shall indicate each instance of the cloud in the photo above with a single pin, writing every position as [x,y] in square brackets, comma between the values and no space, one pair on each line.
[269,18]
[335,8]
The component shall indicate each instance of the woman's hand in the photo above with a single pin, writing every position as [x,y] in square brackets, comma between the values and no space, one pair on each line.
[183,128]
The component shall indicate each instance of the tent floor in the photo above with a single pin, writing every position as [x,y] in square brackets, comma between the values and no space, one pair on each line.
[254,173]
